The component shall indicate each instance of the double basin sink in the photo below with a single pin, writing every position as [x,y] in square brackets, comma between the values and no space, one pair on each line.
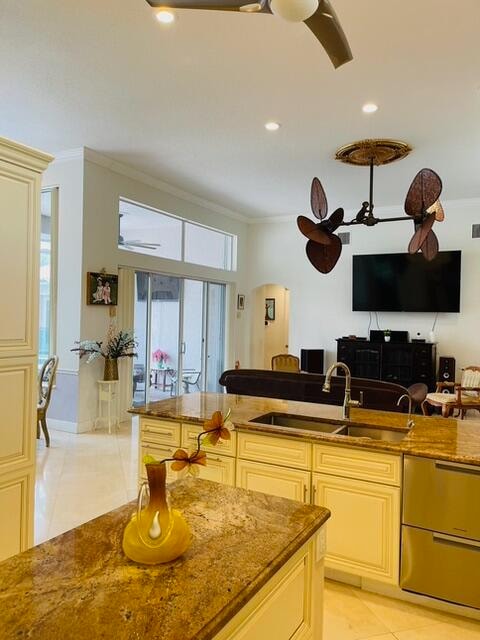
[319,425]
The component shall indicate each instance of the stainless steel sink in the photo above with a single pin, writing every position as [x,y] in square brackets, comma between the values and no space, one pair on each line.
[374,433]
[306,423]
[320,425]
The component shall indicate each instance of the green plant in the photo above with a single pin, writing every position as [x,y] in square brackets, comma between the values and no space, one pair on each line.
[387,332]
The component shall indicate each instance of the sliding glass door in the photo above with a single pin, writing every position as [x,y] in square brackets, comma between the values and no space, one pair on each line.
[180,328]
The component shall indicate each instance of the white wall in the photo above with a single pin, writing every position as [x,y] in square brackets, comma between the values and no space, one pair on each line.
[320,305]
[68,177]
[104,183]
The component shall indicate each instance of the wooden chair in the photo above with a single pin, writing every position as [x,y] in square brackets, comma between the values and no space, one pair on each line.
[465,395]
[45,386]
[286,362]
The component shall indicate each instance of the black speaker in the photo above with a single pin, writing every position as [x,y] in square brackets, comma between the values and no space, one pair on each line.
[446,369]
[311,360]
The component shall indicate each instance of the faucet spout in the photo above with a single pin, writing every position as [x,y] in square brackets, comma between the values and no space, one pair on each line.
[347,400]
[410,421]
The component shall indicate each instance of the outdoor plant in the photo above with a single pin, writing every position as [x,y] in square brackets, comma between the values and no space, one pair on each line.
[215,429]
[117,344]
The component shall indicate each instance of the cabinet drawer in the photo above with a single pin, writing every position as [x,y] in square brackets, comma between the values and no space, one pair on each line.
[272,450]
[357,463]
[276,481]
[219,469]
[161,432]
[442,566]
[159,453]
[223,447]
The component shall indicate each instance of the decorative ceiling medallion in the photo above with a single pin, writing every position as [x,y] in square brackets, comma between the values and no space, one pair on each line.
[381,151]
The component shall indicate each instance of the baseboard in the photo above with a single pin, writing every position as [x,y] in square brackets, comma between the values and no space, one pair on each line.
[393,591]
[70,427]
[62,425]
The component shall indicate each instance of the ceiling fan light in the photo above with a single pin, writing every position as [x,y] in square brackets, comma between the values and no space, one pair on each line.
[294,10]
[253,7]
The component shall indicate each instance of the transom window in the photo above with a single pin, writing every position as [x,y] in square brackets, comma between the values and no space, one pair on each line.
[151,232]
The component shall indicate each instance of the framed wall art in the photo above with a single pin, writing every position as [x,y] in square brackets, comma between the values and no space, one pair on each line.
[102,289]
[269,309]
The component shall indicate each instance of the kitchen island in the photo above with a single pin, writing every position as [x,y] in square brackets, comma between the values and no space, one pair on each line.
[255,563]
[359,468]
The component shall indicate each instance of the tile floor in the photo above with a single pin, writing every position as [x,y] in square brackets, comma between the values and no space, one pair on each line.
[82,476]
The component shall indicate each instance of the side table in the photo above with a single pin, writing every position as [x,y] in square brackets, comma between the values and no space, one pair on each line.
[108,395]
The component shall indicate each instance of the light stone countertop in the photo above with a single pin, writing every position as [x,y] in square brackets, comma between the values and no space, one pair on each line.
[431,437]
[81,586]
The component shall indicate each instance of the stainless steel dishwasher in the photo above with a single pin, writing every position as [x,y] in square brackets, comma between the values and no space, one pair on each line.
[441,530]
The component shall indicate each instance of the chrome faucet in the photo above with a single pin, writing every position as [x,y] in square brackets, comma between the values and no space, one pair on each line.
[347,400]
[410,421]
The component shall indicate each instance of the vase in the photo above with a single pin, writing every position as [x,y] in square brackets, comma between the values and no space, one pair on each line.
[110,371]
[387,338]
[155,533]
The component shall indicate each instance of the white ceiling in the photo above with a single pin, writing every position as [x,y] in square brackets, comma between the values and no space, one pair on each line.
[187,103]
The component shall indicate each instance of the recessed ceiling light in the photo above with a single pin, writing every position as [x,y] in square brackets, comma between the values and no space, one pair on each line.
[370,107]
[164,16]
[272,126]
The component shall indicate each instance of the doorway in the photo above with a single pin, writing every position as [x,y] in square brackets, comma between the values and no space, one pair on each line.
[180,327]
[270,324]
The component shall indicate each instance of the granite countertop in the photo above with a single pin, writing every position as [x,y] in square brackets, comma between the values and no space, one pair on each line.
[432,437]
[80,585]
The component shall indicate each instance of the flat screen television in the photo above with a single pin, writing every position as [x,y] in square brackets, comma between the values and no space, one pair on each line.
[401,282]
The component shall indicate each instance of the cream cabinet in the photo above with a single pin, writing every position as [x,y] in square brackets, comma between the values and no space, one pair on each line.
[20,176]
[290,605]
[364,529]
[274,480]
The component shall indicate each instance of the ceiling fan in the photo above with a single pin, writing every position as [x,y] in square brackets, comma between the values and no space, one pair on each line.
[132,244]
[422,206]
[318,15]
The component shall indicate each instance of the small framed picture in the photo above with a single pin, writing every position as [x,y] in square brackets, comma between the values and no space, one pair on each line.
[269,309]
[240,302]
[102,289]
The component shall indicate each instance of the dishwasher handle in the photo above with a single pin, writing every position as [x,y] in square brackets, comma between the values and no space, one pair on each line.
[461,542]
[457,466]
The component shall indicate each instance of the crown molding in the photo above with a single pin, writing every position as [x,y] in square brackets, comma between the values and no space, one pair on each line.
[24,156]
[130,172]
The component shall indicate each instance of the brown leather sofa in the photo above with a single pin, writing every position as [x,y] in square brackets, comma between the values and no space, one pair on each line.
[307,387]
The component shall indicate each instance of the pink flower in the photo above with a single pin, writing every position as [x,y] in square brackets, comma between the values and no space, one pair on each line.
[160,356]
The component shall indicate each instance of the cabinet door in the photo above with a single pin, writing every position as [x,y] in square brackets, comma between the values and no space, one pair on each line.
[363,534]
[16,507]
[219,469]
[276,481]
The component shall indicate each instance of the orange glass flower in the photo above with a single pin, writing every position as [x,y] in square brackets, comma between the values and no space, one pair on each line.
[217,428]
[184,460]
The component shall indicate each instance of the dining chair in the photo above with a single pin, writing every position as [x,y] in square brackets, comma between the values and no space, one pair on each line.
[45,386]
[286,362]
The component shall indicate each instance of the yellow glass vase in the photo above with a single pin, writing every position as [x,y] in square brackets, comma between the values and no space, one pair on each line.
[155,533]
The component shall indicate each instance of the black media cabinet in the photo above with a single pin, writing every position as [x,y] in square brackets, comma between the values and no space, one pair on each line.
[402,363]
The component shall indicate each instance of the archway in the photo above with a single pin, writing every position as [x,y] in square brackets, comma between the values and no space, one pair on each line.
[270,324]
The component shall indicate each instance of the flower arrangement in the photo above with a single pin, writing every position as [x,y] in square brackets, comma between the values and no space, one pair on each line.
[215,429]
[160,357]
[117,344]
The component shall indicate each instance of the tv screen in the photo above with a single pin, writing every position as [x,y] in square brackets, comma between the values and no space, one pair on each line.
[402,282]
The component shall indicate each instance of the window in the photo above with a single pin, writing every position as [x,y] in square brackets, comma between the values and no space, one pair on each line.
[208,247]
[46,338]
[151,232]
